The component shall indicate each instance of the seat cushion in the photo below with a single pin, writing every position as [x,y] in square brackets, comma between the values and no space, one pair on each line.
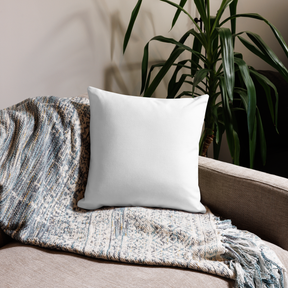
[24,265]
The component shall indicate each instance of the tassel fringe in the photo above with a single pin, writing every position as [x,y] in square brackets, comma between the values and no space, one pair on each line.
[253,263]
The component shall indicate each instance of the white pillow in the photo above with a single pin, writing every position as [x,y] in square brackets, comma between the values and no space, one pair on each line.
[144,151]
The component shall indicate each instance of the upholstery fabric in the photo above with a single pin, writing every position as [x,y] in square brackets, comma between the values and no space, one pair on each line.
[27,266]
[253,200]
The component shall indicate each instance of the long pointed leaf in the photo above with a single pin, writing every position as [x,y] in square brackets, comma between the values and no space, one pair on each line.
[252,141]
[202,39]
[167,65]
[176,87]
[243,95]
[220,127]
[263,146]
[227,59]
[144,66]
[267,84]
[233,9]
[200,5]
[255,50]
[199,76]
[150,72]
[276,32]
[173,79]
[176,16]
[231,134]
[183,10]
[171,41]
[236,158]
[197,47]
[251,93]
[252,144]
[220,12]
[198,87]
[227,117]
[131,24]
[257,40]
[164,40]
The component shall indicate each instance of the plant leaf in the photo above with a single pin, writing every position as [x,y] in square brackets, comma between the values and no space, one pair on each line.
[200,5]
[227,116]
[275,31]
[220,12]
[252,144]
[173,79]
[197,47]
[199,76]
[176,16]
[243,95]
[227,51]
[131,24]
[257,40]
[183,10]
[167,65]
[165,40]
[233,9]
[174,87]
[263,146]
[267,84]
[220,128]
[254,50]
[252,141]
[150,72]
[251,93]
[144,66]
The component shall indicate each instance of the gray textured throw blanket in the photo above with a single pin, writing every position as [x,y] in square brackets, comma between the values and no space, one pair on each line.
[44,162]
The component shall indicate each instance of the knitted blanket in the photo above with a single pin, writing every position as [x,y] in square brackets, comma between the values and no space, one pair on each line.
[44,162]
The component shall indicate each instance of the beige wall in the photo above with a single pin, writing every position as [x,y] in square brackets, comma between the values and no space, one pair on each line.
[61,47]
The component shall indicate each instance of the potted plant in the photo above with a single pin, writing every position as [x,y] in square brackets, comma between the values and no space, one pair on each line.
[212,68]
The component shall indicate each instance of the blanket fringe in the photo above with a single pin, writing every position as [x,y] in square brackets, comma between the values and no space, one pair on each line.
[253,264]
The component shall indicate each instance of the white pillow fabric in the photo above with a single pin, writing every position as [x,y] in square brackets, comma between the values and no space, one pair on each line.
[144,151]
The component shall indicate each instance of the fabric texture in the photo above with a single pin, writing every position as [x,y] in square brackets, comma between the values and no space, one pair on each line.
[144,151]
[253,200]
[29,266]
[44,156]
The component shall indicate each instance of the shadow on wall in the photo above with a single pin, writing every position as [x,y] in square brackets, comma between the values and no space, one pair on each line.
[118,30]
[59,41]
[123,73]
[127,80]
[113,75]
[112,17]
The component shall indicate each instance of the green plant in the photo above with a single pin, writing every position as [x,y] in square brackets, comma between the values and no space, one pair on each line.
[211,68]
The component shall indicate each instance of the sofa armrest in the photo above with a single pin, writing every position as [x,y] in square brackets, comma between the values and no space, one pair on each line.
[253,200]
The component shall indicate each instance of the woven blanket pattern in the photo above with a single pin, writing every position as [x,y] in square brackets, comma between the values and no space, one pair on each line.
[44,162]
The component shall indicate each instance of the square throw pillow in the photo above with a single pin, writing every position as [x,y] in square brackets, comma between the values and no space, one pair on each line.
[144,151]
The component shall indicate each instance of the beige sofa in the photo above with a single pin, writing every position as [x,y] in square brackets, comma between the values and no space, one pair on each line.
[255,201]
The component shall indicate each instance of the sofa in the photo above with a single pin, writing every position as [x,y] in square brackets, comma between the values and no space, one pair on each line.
[253,200]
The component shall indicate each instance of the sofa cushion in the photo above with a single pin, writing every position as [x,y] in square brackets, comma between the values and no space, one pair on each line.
[144,151]
[30,266]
